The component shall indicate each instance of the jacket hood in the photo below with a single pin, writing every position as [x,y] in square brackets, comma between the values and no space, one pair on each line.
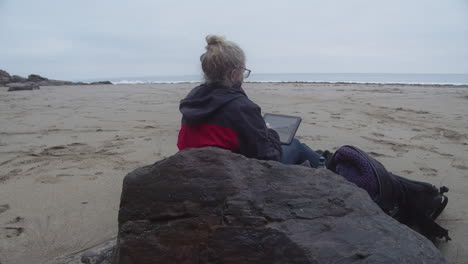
[204,100]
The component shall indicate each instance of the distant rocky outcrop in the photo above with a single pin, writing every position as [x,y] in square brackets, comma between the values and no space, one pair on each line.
[26,86]
[212,206]
[34,80]
[4,77]
[101,82]
[18,79]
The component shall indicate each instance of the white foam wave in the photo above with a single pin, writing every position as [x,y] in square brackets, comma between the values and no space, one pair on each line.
[128,82]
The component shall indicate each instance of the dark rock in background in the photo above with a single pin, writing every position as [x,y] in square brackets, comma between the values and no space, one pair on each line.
[36,78]
[212,206]
[6,79]
[22,86]
[101,82]
[17,79]
[55,83]
[4,74]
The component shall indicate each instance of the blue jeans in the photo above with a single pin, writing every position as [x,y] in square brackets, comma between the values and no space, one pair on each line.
[297,152]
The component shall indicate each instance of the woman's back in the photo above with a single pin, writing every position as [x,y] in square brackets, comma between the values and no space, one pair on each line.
[213,115]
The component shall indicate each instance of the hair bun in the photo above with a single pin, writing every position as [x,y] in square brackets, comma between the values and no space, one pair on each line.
[214,39]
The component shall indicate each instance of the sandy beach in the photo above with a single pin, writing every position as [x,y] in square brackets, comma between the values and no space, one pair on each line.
[65,150]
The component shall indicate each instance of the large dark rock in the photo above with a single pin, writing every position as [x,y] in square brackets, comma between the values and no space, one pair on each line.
[101,82]
[36,78]
[3,81]
[18,79]
[54,83]
[4,77]
[22,86]
[4,73]
[211,206]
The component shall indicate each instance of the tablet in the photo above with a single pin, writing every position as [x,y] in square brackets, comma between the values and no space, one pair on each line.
[285,125]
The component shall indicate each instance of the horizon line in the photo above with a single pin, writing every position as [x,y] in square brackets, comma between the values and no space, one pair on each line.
[261,73]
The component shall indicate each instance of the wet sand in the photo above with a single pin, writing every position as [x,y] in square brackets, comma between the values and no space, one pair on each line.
[65,150]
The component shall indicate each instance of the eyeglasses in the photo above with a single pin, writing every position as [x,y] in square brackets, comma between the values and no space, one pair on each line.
[246,73]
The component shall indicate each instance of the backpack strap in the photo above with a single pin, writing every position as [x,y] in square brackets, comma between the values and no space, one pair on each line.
[439,210]
[432,230]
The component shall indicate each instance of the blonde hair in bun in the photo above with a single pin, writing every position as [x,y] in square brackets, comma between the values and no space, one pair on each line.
[214,39]
[220,59]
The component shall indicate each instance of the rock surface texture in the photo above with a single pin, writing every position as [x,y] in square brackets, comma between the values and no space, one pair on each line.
[211,206]
[100,254]
[22,86]
[4,77]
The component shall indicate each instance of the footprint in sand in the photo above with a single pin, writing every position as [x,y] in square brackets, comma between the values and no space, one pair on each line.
[428,171]
[53,179]
[378,134]
[460,167]
[342,128]
[16,220]
[376,154]
[76,144]
[15,171]
[13,231]
[145,127]
[48,179]
[90,177]
[4,208]
[63,175]
[14,227]
[61,149]
[458,164]
[53,151]
[12,173]
[450,134]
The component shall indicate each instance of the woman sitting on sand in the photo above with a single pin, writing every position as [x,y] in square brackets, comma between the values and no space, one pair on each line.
[218,113]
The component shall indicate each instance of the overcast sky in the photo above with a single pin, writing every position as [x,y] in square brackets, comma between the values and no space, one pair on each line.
[87,39]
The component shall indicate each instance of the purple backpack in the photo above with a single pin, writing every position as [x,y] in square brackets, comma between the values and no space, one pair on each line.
[413,203]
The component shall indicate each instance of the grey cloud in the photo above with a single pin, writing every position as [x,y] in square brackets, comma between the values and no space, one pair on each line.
[93,39]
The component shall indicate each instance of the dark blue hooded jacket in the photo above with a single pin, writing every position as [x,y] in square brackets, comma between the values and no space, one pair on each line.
[214,115]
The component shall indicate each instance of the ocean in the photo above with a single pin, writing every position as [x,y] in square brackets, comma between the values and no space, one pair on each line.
[455,79]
